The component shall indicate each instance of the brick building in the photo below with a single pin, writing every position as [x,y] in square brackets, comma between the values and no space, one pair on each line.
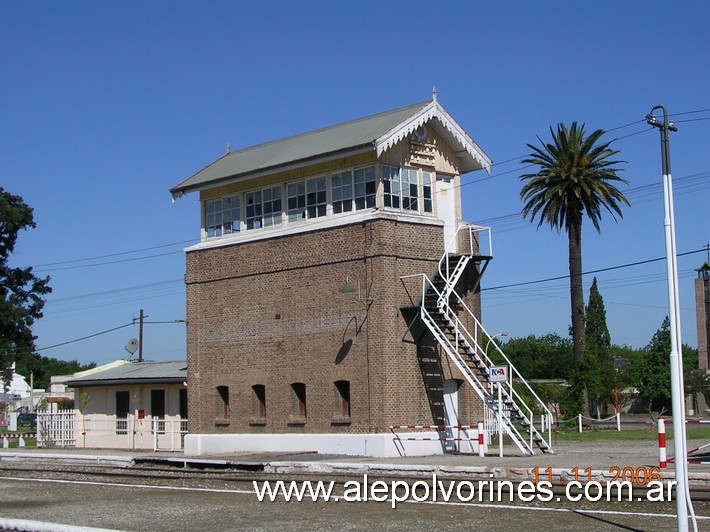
[304,330]
[702,318]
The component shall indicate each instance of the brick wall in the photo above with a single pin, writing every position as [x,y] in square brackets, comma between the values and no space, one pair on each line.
[272,313]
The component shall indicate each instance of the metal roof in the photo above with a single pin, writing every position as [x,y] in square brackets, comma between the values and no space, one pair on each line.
[377,132]
[134,373]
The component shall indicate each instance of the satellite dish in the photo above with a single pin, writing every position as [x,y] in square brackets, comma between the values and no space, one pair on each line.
[132,345]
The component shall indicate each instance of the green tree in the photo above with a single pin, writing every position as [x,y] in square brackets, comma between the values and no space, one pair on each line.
[597,369]
[547,357]
[43,368]
[576,176]
[541,357]
[653,373]
[21,291]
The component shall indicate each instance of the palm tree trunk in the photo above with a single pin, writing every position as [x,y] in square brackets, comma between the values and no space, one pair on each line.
[574,232]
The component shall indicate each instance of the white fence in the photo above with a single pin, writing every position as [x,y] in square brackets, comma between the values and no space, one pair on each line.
[100,431]
[56,429]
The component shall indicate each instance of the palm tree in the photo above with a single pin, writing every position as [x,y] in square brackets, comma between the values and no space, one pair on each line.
[575,177]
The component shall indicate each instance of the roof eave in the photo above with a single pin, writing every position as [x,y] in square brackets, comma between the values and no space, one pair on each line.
[179,191]
[471,155]
[120,382]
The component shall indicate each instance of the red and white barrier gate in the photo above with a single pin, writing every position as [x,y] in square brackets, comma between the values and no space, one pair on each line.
[478,438]
[662,443]
[663,461]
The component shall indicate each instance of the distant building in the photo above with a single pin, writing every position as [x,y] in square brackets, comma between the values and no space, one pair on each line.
[140,389]
[702,318]
[133,405]
[24,396]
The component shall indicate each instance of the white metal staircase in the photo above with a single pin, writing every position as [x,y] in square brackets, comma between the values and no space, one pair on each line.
[442,310]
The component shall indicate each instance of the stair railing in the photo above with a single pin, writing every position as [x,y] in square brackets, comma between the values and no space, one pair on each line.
[473,249]
[513,374]
[509,392]
[452,348]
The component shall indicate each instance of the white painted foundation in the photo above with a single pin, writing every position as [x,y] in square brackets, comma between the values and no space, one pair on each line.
[374,445]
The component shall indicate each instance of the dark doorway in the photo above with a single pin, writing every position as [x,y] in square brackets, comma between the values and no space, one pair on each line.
[183,403]
[123,407]
[157,409]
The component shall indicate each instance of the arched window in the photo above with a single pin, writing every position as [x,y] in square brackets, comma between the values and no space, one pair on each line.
[299,399]
[342,398]
[223,402]
[259,400]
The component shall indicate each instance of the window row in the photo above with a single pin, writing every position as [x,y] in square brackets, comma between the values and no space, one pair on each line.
[298,401]
[299,201]
[157,409]
[401,189]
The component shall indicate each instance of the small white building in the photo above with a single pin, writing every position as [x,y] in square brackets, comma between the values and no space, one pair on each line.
[130,405]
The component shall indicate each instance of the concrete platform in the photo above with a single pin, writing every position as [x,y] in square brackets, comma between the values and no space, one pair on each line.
[603,458]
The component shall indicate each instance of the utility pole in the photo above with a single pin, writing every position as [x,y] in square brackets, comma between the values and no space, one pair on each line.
[140,338]
[683,503]
[140,319]
[32,390]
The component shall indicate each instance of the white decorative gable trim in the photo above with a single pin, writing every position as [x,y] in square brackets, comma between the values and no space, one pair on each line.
[465,147]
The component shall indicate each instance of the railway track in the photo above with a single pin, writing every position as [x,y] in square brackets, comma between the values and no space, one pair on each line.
[211,477]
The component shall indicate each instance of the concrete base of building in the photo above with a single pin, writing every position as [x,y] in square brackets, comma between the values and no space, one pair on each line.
[374,445]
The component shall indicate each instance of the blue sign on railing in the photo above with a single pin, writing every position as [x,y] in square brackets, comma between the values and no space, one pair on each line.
[498,374]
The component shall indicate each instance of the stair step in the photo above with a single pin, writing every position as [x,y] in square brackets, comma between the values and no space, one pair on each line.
[457,344]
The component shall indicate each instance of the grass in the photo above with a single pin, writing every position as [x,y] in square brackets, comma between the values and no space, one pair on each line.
[611,434]
[14,442]
[20,430]
[597,434]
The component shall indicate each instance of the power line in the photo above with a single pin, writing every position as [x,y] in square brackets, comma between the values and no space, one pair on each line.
[625,125]
[649,189]
[42,268]
[75,340]
[692,120]
[108,262]
[85,337]
[690,112]
[637,263]
[112,254]
[114,291]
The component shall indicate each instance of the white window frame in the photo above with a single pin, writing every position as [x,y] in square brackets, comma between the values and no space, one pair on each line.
[364,200]
[214,216]
[344,193]
[427,202]
[407,189]
[261,204]
[307,199]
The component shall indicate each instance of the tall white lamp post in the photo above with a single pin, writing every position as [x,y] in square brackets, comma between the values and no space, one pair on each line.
[683,503]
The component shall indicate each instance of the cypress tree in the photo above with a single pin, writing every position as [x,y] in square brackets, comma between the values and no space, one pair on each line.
[597,368]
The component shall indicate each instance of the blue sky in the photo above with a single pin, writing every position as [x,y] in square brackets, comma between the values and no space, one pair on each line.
[106,105]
